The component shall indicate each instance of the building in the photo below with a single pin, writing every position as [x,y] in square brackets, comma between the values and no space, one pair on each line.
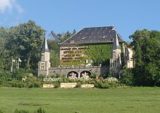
[44,64]
[72,51]
[116,60]
[74,62]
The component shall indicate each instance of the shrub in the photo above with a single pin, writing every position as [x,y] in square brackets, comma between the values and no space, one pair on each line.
[111,79]
[106,83]
[78,85]
[56,84]
[16,83]
[32,82]
[93,75]
[127,77]
[101,84]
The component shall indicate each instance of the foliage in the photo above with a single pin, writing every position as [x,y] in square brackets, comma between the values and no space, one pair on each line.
[54,58]
[56,84]
[106,83]
[29,82]
[99,54]
[24,42]
[20,46]
[147,46]
[5,75]
[55,47]
[54,52]
[127,77]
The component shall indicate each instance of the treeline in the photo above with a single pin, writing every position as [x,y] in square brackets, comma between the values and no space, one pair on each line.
[20,48]
[146,45]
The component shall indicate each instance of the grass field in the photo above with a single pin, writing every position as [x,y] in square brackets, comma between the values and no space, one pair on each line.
[120,100]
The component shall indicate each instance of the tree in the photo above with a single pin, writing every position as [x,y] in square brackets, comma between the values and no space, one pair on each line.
[4,57]
[54,46]
[25,42]
[147,48]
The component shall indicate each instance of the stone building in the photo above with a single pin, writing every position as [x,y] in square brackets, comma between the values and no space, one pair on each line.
[72,51]
[129,60]
[116,60]
[74,61]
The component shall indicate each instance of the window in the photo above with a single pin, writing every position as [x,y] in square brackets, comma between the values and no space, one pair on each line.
[42,67]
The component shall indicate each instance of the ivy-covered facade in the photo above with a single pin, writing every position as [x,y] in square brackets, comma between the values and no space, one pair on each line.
[97,50]
[90,46]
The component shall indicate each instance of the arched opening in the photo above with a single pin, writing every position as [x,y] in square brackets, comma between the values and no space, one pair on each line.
[85,74]
[72,74]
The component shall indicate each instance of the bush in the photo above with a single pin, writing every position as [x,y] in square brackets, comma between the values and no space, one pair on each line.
[56,84]
[127,77]
[16,83]
[101,84]
[5,75]
[30,82]
[105,83]
[78,85]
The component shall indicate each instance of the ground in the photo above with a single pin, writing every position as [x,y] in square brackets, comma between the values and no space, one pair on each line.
[118,100]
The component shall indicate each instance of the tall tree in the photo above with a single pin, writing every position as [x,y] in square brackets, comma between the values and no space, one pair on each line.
[25,42]
[147,57]
[3,53]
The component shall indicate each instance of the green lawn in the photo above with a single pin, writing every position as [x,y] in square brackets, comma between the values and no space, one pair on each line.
[119,100]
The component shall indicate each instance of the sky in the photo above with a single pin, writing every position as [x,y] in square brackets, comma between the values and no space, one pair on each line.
[65,15]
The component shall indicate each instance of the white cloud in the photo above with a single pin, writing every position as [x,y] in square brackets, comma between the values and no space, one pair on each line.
[10,5]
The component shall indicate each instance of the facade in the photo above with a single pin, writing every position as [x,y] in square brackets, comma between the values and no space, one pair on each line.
[75,63]
[72,51]
[129,61]
[116,60]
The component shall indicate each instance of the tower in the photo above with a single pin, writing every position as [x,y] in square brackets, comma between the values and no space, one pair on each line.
[44,64]
[115,61]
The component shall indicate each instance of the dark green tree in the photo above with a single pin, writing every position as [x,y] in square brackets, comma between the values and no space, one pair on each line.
[147,58]
[25,42]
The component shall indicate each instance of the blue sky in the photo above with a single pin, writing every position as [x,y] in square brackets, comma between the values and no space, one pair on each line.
[63,15]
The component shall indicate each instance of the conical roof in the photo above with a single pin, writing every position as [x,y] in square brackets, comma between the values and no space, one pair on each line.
[45,46]
[116,42]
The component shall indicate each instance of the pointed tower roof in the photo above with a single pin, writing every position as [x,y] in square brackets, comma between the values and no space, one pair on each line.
[116,42]
[45,46]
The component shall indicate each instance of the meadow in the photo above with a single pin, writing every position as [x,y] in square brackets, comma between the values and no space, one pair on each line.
[118,100]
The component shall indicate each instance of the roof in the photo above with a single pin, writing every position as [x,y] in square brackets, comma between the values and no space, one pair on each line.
[93,35]
[45,46]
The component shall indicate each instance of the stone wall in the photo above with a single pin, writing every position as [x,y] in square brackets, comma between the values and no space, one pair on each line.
[98,70]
